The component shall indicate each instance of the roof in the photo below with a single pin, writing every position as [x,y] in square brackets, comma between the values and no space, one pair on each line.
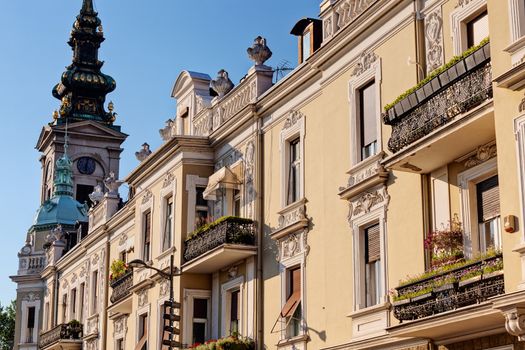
[61,209]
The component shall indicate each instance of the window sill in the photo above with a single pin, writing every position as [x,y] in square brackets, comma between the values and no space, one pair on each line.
[364,175]
[370,310]
[515,46]
[292,218]
[303,338]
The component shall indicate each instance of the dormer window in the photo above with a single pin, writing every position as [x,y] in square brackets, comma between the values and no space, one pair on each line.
[309,33]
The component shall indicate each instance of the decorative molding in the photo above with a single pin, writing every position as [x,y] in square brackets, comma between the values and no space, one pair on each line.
[30,297]
[163,288]
[482,154]
[148,195]
[515,322]
[348,10]
[292,119]
[94,260]
[367,202]
[122,239]
[120,327]
[168,180]
[462,3]
[74,278]
[434,39]
[365,175]
[249,179]
[143,297]
[521,107]
[365,62]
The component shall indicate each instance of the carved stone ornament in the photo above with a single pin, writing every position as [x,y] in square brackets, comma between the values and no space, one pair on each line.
[164,288]
[521,107]
[462,3]
[515,322]
[97,195]
[327,27]
[31,297]
[74,278]
[483,153]
[65,284]
[82,272]
[168,131]
[143,297]
[92,325]
[249,166]
[366,60]
[233,272]
[120,326]
[123,238]
[112,183]
[147,197]
[364,174]
[292,119]
[366,202]
[222,83]
[259,52]
[292,216]
[94,260]
[434,39]
[349,10]
[92,344]
[168,180]
[143,153]
[293,245]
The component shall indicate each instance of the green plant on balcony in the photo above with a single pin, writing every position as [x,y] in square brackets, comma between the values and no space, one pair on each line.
[437,72]
[118,269]
[227,343]
[445,245]
[206,226]
[75,328]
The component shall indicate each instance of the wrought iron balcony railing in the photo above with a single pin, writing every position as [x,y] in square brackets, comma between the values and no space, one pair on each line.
[121,287]
[64,331]
[460,88]
[466,285]
[229,230]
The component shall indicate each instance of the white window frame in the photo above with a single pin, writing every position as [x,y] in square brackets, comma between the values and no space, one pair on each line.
[516,20]
[93,307]
[519,131]
[294,128]
[355,84]
[376,216]
[439,189]
[286,265]
[145,310]
[120,335]
[192,182]
[467,181]
[458,22]
[189,295]
[26,304]
[226,290]
[165,194]
[160,328]
[144,208]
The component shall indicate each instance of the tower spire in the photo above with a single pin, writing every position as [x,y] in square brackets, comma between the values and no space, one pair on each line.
[83,87]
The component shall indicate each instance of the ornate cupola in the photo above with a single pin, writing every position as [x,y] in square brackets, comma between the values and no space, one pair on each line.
[83,87]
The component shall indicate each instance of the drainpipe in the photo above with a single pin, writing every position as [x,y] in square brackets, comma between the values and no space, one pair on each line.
[419,22]
[55,303]
[260,233]
[106,292]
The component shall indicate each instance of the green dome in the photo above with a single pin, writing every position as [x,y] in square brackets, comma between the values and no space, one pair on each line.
[61,209]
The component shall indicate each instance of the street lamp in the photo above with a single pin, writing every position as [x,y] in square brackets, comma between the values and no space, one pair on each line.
[172,304]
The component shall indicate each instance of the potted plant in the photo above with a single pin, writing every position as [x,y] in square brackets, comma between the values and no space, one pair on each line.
[75,328]
[118,269]
[445,245]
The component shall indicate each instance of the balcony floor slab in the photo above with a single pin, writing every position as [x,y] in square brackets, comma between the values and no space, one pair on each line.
[218,258]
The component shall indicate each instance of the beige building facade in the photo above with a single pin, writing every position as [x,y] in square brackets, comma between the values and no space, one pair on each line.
[371,199]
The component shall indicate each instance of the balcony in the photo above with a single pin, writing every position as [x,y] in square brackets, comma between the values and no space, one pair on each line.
[64,336]
[468,284]
[445,118]
[121,287]
[219,244]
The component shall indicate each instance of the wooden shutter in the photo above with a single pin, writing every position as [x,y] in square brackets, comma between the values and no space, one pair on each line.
[373,244]
[488,199]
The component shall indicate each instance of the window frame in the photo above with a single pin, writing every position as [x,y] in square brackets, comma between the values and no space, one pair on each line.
[146,253]
[226,291]
[467,181]
[357,82]
[168,202]
[94,292]
[189,295]
[294,128]
[458,23]
[192,182]
[24,332]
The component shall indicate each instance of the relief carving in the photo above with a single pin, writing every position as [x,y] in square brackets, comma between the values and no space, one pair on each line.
[168,180]
[147,197]
[143,297]
[366,202]
[434,39]
[249,165]
[292,119]
[293,245]
[366,60]
[483,153]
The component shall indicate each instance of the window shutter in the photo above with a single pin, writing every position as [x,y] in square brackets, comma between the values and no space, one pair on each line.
[373,244]
[368,114]
[488,199]
[296,278]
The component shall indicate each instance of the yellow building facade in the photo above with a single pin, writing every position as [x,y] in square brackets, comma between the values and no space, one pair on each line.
[371,199]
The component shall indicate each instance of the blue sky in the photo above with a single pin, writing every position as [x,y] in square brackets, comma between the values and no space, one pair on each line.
[147,44]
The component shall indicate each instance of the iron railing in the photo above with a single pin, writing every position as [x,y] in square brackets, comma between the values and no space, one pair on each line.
[229,231]
[121,287]
[60,332]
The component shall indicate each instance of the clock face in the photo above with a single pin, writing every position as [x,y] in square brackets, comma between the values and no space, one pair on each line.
[86,165]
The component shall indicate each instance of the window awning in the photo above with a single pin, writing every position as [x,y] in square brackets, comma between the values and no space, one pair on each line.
[222,178]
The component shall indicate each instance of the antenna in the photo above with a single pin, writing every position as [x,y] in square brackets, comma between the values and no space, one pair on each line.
[282,69]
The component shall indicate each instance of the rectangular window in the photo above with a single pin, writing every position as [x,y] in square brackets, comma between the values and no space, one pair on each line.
[143,333]
[477,29]
[291,312]
[123,256]
[201,207]
[120,344]
[368,120]
[234,311]
[64,308]
[294,171]
[489,213]
[81,301]
[372,265]
[94,292]
[74,304]
[200,320]
[168,224]
[236,203]
[30,323]
[147,236]
[306,45]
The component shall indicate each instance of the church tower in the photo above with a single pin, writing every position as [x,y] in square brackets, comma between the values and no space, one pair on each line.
[94,138]
[80,148]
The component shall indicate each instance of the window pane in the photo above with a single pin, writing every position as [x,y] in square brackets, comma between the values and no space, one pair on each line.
[368,119]
[200,308]
[306,45]
[31,317]
[199,332]
[477,29]
[166,241]
[200,201]
[294,168]
[234,312]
